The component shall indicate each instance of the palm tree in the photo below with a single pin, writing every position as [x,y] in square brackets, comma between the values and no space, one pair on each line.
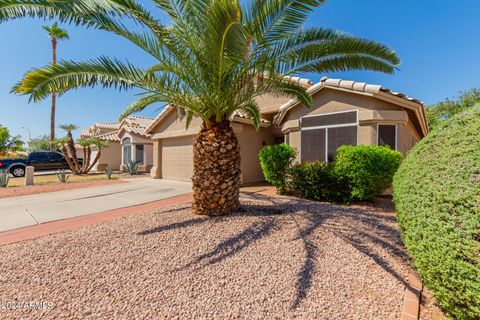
[69,144]
[213,59]
[55,33]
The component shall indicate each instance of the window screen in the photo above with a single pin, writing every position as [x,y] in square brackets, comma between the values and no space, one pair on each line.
[340,136]
[330,119]
[313,146]
[387,136]
[139,153]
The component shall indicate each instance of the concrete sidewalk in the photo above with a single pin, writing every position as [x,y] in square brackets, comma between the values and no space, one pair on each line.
[19,212]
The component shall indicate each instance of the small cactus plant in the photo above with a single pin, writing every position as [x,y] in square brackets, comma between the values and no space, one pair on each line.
[62,176]
[108,173]
[132,168]
[4,178]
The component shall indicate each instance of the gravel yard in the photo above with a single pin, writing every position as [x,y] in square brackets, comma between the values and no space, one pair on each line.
[277,258]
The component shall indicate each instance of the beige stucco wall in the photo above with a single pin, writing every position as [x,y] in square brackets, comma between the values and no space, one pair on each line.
[173,148]
[251,142]
[110,156]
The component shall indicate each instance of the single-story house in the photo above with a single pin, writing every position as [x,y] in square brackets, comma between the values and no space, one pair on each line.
[127,141]
[136,143]
[343,113]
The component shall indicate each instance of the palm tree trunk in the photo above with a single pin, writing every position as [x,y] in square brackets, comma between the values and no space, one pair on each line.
[52,123]
[95,160]
[67,158]
[216,173]
[73,152]
[54,99]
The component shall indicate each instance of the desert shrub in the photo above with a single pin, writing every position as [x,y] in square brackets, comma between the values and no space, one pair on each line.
[315,181]
[437,198]
[366,170]
[275,161]
[358,173]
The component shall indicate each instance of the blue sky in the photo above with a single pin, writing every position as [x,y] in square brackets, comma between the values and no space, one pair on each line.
[438,42]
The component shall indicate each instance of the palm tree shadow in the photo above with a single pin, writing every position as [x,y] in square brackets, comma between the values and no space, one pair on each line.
[363,228]
[234,245]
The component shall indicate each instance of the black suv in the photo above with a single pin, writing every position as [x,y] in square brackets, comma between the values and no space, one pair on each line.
[40,160]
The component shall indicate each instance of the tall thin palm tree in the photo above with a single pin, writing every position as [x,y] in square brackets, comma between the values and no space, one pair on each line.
[212,59]
[55,33]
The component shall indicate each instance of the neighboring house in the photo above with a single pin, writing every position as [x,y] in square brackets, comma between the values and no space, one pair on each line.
[342,113]
[127,140]
[136,143]
[111,155]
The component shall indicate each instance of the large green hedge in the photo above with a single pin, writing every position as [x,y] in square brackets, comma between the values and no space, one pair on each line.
[437,198]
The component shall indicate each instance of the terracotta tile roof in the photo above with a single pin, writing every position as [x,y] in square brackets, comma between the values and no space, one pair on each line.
[243,115]
[110,136]
[363,87]
[137,121]
[86,133]
[108,125]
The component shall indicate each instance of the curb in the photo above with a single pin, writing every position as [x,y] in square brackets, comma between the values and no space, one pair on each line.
[32,232]
[411,299]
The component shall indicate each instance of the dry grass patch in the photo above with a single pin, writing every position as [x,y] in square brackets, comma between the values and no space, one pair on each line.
[49,179]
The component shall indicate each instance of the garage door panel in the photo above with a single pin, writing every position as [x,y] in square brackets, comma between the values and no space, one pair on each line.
[177,158]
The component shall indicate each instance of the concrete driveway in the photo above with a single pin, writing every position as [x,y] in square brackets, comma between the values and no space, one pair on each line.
[18,212]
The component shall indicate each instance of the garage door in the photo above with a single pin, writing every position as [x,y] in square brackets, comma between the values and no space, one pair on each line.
[177,158]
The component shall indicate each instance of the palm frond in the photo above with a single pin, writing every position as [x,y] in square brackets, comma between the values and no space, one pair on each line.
[67,75]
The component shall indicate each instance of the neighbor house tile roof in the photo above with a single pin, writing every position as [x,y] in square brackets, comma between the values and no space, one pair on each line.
[133,124]
[110,136]
[108,125]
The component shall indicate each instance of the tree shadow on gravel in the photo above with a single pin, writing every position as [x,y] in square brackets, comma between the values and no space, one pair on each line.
[234,245]
[366,229]
[362,227]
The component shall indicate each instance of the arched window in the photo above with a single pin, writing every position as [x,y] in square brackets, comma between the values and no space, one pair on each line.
[127,150]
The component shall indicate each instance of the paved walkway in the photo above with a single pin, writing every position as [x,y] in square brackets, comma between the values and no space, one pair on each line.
[24,211]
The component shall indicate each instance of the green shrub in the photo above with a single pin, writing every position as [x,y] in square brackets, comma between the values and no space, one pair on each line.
[437,198]
[275,161]
[62,175]
[366,170]
[132,168]
[315,181]
[358,173]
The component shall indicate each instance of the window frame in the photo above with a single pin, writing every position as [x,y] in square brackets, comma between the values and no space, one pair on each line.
[326,127]
[396,133]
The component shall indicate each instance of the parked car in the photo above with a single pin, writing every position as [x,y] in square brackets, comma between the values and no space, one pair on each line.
[40,160]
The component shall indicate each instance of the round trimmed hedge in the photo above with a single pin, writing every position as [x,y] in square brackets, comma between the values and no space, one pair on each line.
[437,198]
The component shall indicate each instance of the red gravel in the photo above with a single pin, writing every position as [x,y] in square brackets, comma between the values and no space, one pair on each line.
[277,258]
[36,189]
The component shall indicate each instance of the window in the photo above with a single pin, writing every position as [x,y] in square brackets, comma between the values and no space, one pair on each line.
[139,153]
[287,138]
[127,150]
[57,157]
[338,137]
[387,135]
[39,157]
[322,135]
[313,145]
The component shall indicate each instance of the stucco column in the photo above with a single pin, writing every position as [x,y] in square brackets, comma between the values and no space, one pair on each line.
[156,171]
